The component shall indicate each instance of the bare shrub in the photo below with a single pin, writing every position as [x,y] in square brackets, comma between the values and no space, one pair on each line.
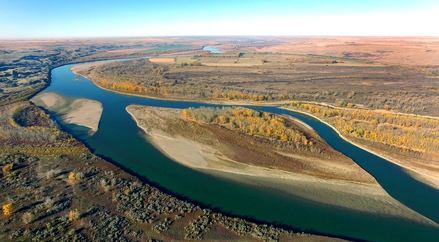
[28,217]
[105,185]
[50,174]
[48,202]
[80,175]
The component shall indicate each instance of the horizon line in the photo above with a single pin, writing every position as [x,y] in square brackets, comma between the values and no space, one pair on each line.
[212,36]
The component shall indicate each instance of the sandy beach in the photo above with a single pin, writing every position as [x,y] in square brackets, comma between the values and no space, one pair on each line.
[79,111]
[359,196]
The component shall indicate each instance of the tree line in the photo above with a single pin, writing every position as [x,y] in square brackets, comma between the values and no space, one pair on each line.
[409,133]
[254,123]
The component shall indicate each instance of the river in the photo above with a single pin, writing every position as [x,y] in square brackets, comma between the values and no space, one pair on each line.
[121,142]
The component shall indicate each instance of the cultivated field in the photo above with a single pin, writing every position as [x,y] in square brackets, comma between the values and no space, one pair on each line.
[390,50]
[162,60]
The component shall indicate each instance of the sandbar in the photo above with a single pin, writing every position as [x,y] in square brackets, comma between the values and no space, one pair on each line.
[358,196]
[79,111]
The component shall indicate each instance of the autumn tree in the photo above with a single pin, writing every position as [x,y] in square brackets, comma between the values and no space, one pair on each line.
[7,168]
[8,209]
[184,112]
[73,215]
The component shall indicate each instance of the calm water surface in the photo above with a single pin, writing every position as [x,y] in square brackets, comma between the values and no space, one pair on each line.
[212,50]
[121,141]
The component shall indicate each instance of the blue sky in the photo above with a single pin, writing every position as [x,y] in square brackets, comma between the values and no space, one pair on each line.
[79,18]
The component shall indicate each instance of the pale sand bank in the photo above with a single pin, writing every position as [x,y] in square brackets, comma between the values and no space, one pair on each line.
[86,66]
[370,198]
[79,111]
[188,152]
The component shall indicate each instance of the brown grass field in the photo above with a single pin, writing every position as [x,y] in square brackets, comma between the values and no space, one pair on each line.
[390,50]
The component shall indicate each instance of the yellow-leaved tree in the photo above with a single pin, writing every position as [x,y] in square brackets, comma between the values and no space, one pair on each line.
[8,209]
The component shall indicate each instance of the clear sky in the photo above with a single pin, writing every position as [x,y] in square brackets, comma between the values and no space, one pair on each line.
[137,18]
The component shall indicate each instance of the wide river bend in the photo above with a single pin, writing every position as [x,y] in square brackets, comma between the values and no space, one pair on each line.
[120,141]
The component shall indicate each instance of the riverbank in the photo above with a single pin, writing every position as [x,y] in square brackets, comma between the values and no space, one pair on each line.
[360,195]
[423,175]
[79,111]
[78,69]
